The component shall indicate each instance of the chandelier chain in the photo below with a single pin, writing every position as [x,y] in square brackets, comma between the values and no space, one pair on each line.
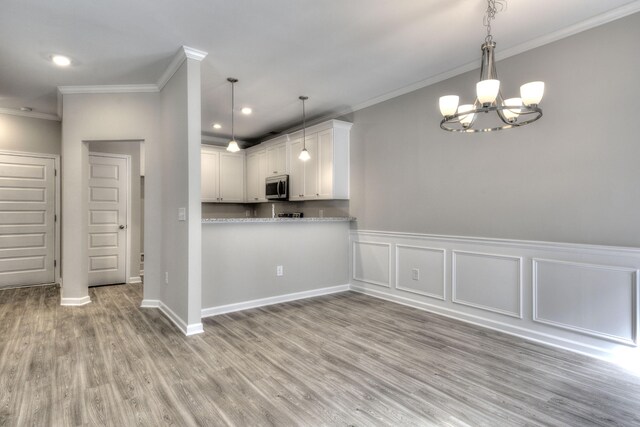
[493,7]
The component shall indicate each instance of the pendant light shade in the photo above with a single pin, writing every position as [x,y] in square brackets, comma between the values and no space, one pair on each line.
[304,154]
[233,145]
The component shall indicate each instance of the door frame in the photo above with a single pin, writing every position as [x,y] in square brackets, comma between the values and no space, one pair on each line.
[56,202]
[127,246]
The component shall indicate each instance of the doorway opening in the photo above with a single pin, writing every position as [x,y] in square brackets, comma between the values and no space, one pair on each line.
[115,224]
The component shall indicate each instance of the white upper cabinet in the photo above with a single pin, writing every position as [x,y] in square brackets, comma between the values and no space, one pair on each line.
[277,159]
[256,174]
[222,175]
[326,174]
[209,175]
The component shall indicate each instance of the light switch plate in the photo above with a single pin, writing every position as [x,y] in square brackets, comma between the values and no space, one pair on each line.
[182,214]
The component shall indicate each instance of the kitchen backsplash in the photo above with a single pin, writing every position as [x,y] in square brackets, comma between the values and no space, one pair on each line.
[311,208]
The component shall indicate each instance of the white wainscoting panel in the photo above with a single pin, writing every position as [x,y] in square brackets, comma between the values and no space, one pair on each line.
[488,282]
[592,299]
[584,298]
[371,263]
[431,268]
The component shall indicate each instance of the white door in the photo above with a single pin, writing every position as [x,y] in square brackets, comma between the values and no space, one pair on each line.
[108,195]
[27,229]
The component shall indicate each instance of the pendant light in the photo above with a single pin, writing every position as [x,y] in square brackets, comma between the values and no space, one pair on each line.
[304,154]
[511,112]
[233,145]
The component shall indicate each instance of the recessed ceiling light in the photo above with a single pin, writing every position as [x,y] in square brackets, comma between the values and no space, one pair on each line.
[246,110]
[217,125]
[61,61]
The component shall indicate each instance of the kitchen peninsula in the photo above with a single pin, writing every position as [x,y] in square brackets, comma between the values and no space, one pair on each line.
[250,256]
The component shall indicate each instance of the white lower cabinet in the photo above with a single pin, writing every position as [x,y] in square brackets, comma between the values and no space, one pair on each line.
[222,176]
[256,174]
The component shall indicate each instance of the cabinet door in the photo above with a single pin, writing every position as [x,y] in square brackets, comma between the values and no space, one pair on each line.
[311,168]
[209,173]
[231,178]
[277,159]
[256,173]
[296,171]
[253,172]
[325,164]
[262,174]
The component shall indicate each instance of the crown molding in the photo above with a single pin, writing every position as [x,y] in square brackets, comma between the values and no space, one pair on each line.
[587,24]
[32,114]
[192,53]
[183,53]
[143,88]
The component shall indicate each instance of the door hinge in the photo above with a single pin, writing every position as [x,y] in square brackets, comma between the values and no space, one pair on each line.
[55,218]
[55,263]
[55,172]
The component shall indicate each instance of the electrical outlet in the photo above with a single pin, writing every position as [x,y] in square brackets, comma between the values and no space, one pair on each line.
[279,270]
[321,213]
[255,212]
[415,274]
[166,277]
[247,213]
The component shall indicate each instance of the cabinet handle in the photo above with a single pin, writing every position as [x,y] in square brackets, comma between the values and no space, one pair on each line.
[255,198]
[300,195]
[275,172]
[317,194]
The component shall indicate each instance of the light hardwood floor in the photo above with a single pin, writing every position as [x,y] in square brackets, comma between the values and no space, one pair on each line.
[344,359]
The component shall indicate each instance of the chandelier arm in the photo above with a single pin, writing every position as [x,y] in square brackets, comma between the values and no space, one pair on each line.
[525,110]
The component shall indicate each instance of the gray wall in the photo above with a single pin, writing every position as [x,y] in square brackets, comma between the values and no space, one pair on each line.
[180,146]
[131,148]
[98,117]
[571,177]
[18,133]
[240,259]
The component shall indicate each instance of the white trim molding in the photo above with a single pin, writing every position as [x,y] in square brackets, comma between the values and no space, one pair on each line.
[354,259]
[134,280]
[262,302]
[150,303]
[71,302]
[139,88]
[31,114]
[183,53]
[418,291]
[191,329]
[454,282]
[632,340]
[594,312]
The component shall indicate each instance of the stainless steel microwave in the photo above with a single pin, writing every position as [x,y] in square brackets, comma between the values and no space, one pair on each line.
[277,187]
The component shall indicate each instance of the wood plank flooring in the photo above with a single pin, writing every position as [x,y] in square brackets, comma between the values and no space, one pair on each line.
[344,359]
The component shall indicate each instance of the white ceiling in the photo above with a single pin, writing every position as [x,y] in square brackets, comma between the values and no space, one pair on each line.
[343,54]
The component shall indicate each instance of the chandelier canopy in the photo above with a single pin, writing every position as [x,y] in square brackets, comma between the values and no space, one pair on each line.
[511,112]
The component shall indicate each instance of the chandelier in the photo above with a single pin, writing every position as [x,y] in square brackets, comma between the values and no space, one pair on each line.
[511,112]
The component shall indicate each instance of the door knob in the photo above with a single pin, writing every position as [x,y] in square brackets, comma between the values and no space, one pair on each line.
[122,227]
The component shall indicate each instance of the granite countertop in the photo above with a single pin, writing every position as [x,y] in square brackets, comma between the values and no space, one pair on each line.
[250,219]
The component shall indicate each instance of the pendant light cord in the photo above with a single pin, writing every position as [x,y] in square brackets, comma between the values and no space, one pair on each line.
[304,126]
[233,107]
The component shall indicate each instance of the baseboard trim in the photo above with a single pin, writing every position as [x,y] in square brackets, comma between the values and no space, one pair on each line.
[134,280]
[192,329]
[245,305]
[71,302]
[150,303]
[523,333]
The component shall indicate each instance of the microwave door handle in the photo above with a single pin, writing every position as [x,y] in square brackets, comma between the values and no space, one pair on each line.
[278,189]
